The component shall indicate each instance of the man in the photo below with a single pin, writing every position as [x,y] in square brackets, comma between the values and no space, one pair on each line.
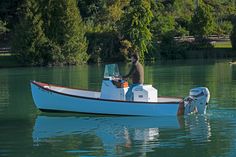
[136,73]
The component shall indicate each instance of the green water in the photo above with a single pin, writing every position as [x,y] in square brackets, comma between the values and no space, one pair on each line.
[26,132]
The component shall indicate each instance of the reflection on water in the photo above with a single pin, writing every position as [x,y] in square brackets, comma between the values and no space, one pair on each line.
[4,94]
[137,134]
[199,128]
[4,97]
[233,68]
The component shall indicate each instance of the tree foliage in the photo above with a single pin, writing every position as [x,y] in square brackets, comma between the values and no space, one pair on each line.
[93,10]
[135,25]
[51,35]
[104,47]
[29,36]
[202,22]
[102,11]
[170,48]
[9,12]
[66,28]
[162,21]
[62,31]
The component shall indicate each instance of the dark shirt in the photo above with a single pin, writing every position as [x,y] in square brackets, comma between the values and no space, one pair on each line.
[137,73]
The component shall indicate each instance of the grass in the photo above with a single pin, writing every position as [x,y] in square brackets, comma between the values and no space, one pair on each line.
[222,44]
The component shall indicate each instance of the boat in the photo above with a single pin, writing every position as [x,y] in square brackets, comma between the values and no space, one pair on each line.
[111,99]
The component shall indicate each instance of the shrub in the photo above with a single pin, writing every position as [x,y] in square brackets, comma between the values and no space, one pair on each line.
[170,48]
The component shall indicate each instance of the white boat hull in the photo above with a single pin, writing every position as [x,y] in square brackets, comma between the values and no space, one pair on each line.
[48,99]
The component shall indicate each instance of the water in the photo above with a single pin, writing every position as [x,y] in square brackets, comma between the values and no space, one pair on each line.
[25,131]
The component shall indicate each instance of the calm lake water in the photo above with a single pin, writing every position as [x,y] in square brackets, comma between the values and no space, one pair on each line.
[26,132]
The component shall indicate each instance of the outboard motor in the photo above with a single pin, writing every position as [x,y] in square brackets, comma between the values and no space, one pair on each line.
[197,101]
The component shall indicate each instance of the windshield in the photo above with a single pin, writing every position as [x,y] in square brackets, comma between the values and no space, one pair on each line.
[111,70]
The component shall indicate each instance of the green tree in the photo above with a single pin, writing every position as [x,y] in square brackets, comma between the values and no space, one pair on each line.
[162,21]
[201,22]
[64,26]
[183,11]
[75,43]
[93,10]
[115,10]
[9,11]
[222,10]
[170,48]
[135,25]
[29,36]
[104,12]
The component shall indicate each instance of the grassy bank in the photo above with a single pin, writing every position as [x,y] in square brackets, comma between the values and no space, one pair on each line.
[222,44]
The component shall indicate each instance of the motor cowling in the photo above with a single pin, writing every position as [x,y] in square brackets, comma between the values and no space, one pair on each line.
[197,101]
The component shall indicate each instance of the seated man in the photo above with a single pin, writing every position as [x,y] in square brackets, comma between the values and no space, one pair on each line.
[136,73]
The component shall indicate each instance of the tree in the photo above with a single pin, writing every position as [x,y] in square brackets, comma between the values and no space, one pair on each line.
[102,11]
[101,17]
[116,10]
[201,22]
[92,9]
[135,25]
[75,44]
[29,36]
[170,48]
[162,21]
[64,26]
[9,12]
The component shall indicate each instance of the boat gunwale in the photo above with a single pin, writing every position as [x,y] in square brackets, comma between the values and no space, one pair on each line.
[100,99]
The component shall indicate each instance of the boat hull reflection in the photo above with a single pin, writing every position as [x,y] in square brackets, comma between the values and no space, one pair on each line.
[52,126]
[114,135]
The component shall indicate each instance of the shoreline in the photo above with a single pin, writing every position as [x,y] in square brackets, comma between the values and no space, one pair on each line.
[8,60]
